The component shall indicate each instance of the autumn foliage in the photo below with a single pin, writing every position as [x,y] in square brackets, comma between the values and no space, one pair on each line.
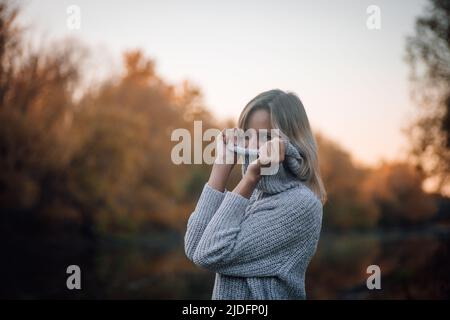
[97,161]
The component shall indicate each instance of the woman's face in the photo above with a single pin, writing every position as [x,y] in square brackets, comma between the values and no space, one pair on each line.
[259,120]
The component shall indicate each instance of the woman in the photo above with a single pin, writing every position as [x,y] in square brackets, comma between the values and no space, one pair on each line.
[260,237]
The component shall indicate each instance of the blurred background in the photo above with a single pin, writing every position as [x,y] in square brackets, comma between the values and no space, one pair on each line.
[90,92]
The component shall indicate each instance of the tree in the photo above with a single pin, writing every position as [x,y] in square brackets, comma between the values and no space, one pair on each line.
[348,205]
[96,164]
[428,54]
[395,188]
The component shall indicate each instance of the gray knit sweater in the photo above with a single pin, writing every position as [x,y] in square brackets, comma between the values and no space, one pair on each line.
[260,247]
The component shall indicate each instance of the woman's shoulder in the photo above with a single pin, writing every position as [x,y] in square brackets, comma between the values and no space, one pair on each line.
[301,196]
[306,207]
[302,193]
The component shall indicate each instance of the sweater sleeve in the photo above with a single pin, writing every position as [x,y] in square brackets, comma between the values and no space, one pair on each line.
[210,199]
[256,244]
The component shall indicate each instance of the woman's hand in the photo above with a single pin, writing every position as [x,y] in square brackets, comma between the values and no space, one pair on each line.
[224,162]
[251,178]
[270,153]
[253,172]
[224,155]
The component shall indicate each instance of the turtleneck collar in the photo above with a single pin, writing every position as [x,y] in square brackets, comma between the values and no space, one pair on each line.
[287,175]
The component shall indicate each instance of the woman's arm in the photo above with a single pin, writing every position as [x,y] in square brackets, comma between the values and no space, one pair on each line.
[210,199]
[271,152]
[223,164]
[219,176]
[259,243]
[208,203]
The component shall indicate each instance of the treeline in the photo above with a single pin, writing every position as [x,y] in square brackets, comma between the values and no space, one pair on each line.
[389,194]
[98,162]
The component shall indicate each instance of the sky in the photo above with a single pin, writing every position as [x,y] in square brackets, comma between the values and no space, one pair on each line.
[352,80]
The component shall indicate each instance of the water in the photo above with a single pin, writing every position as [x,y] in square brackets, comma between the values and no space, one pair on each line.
[414,265]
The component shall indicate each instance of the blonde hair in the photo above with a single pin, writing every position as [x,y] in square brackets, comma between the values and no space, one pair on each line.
[289,116]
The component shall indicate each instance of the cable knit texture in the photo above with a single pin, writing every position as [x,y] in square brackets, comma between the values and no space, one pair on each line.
[260,247]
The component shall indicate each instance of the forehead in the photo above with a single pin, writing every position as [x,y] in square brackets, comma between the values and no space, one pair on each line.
[259,119]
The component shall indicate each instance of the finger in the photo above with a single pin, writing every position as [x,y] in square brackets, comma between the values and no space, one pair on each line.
[222,135]
[263,156]
[255,162]
[228,135]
